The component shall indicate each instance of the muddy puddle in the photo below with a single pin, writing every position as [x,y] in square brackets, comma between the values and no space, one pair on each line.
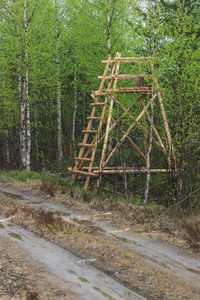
[86,281]
[164,256]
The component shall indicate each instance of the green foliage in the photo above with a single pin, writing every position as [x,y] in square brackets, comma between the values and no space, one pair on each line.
[167,29]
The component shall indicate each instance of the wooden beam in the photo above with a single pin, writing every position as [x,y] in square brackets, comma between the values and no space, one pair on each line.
[89,131]
[158,171]
[86,135]
[98,104]
[84,172]
[129,76]
[120,170]
[166,125]
[131,141]
[136,89]
[105,144]
[128,132]
[87,145]
[154,129]
[95,139]
[114,125]
[131,60]
[82,158]
[141,126]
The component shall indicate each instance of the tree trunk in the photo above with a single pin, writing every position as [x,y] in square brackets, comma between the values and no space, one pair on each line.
[75,109]
[148,163]
[28,137]
[25,131]
[59,109]
[108,28]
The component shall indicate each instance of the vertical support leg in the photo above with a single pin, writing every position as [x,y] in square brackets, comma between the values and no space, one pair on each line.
[82,149]
[105,144]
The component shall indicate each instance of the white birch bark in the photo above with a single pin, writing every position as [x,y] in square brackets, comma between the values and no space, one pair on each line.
[28,137]
[75,108]
[59,109]
[23,133]
[25,106]
[108,28]
[148,163]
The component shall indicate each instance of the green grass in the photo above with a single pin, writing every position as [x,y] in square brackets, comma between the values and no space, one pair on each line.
[20,175]
[48,182]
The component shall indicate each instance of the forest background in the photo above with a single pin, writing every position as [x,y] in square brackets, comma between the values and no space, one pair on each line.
[50,60]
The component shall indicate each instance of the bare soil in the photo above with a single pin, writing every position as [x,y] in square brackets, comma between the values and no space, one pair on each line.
[20,279]
[112,256]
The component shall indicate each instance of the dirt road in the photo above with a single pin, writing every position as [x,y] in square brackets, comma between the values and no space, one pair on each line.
[84,281]
[154,270]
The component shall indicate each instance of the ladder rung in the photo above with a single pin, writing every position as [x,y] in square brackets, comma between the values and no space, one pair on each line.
[97,93]
[131,59]
[94,118]
[85,173]
[87,145]
[83,158]
[89,131]
[99,103]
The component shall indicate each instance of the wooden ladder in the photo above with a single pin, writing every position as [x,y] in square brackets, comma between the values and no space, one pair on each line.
[88,150]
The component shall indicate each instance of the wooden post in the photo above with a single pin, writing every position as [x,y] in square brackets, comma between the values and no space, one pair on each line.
[88,149]
[79,163]
[160,144]
[105,144]
[128,131]
[146,193]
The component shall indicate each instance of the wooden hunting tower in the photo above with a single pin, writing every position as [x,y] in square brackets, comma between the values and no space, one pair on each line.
[121,116]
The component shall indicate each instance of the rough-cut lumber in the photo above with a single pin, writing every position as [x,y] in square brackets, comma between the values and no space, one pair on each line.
[137,89]
[154,171]
[84,173]
[89,131]
[101,120]
[95,139]
[109,92]
[120,170]
[121,117]
[87,145]
[105,144]
[128,132]
[98,104]
[83,158]
[130,140]
[130,59]
[93,118]
[97,93]
[86,135]
[141,126]
[154,129]
[129,76]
